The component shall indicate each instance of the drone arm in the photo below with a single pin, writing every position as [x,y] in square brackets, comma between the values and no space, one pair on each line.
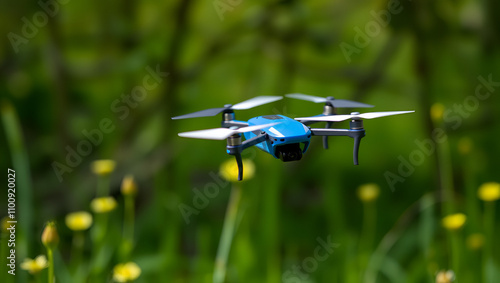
[356,134]
[253,141]
[234,123]
[334,132]
[237,149]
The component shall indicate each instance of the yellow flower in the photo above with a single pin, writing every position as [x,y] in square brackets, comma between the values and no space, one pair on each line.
[454,221]
[445,276]
[229,170]
[34,266]
[464,145]
[79,221]
[489,191]
[103,167]
[129,187]
[368,192]
[5,224]
[103,204]
[475,241]
[437,110]
[50,237]
[126,272]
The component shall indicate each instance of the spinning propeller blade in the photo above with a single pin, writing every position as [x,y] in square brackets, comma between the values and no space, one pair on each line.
[315,99]
[247,104]
[256,101]
[338,103]
[355,116]
[222,133]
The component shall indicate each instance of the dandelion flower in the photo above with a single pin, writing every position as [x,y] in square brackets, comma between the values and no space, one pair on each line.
[129,187]
[229,170]
[78,221]
[454,221]
[445,276]
[50,237]
[103,204]
[437,110]
[475,241]
[126,272]
[489,191]
[34,266]
[368,192]
[103,167]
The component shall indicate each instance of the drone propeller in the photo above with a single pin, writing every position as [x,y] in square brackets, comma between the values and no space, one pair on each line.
[222,133]
[353,116]
[247,104]
[337,103]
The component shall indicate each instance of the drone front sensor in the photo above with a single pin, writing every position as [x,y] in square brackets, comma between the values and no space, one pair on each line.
[280,136]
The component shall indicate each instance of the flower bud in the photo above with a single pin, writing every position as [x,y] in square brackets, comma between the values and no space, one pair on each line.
[129,187]
[50,237]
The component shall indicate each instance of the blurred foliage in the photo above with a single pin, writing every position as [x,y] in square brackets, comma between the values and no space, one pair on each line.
[70,71]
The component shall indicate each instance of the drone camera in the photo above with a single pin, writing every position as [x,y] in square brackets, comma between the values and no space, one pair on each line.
[289,152]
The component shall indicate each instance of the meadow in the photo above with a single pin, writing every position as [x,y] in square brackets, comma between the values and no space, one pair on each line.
[99,187]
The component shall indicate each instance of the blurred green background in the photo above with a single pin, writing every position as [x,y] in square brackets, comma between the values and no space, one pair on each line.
[68,66]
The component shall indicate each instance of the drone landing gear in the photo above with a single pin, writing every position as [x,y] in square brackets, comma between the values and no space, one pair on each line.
[325,138]
[235,147]
[356,132]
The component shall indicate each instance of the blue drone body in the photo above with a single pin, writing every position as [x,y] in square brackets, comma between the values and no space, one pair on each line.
[280,136]
[288,133]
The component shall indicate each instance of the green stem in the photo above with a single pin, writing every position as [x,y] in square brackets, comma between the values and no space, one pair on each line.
[129,218]
[489,224]
[471,201]
[128,227]
[455,252]
[103,186]
[50,255]
[99,229]
[368,234]
[446,178]
[370,218]
[226,238]
[77,249]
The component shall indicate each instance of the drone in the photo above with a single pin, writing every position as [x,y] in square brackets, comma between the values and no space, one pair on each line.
[280,136]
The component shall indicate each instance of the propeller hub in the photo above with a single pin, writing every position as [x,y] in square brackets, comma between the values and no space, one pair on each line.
[228,105]
[330,98]
[354,113]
